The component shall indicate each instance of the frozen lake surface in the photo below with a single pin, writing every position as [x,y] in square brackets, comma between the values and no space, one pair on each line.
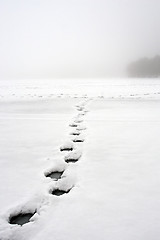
[48,89]
[110,189]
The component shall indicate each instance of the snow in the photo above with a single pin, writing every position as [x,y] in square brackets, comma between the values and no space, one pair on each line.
[76,132]
[79,138]
[68,145]
[73,124]
[114,186]
[81,127]
[74,155]
[78,120]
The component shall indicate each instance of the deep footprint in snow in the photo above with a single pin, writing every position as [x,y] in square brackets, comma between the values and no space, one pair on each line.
[75,133]
[73,156]
[71,160]
[81,114]
[66,149]
[78,139]
[67,146]
[73,125]
[58,192]
[80,109]
[54,175]
[21,218]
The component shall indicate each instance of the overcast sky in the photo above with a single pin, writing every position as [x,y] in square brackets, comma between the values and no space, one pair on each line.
[76,38]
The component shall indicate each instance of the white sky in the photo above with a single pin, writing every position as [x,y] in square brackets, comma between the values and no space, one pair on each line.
[76,38]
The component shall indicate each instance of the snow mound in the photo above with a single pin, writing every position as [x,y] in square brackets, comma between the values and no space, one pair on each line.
[57,166]
[81,127]
[78,120]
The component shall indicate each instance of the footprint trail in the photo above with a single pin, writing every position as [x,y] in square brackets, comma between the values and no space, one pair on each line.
[72,152]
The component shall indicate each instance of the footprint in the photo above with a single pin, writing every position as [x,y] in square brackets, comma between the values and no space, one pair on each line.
[55,175]
[75,133]
[73,156]
[67,146]
[80,109]
[73,125]
[86,110]
[81,114]
[79,128]
[78,139]
[58,192]
[21,218]
[78,118]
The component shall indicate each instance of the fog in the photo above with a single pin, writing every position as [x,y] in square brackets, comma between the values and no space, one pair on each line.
[76,38]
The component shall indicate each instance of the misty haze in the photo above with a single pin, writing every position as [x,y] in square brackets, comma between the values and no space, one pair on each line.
[79,119]
[76,39]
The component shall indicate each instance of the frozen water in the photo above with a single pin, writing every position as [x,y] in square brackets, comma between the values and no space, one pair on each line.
[116,185]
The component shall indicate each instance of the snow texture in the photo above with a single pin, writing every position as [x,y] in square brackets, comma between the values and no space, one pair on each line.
[113,189]
[74,155]
[68,145]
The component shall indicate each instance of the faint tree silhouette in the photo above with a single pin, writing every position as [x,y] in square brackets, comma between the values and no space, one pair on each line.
[145,67]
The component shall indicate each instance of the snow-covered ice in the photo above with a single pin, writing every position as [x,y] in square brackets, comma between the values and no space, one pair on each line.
[112,192]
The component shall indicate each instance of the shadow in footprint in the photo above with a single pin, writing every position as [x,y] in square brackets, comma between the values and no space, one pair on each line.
[73,125]
[21,218]
[66,149]
[81,114]
[58,192]
[54,175]
[80,109]
[67,146]
[78,140]
[75,133]
[71,160]
[73,156]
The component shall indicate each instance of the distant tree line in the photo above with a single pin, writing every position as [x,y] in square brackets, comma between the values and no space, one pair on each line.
[145,67]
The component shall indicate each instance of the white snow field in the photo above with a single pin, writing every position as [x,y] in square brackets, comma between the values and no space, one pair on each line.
[112,192]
